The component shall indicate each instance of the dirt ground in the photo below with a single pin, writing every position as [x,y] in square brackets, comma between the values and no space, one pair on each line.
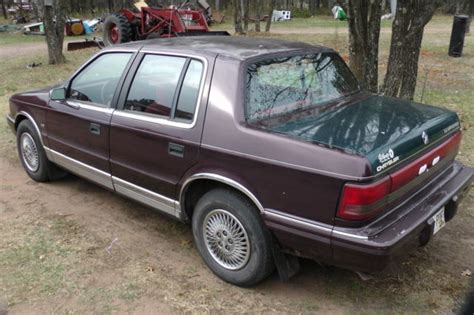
[72,247]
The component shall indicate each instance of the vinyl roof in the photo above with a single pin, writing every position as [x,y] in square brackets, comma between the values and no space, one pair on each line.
[238,47]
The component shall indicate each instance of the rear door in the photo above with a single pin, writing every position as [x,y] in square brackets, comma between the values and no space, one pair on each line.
[156,131]
[78,127]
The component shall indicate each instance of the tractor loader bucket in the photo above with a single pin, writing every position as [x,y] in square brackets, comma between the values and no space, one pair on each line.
[87,43]
[213,33]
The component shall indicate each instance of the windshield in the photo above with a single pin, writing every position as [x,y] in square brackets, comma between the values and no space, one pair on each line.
[282,85]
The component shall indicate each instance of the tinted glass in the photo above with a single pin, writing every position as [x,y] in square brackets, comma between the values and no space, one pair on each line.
[98,81]
[283,85]
[154,85]
[188,96]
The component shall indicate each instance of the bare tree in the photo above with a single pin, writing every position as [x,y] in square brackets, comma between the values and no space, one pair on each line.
[4,10]
[407,35]
[465,7]
[258,9]
[237,17]
[53,19]
[364,30]
[246,10]
[270,15]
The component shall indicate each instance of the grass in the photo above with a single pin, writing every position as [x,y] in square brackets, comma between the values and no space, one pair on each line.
[51,258]
[324,21]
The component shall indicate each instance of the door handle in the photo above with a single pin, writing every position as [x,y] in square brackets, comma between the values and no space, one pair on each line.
[73,104]
[176,149]
[94,129]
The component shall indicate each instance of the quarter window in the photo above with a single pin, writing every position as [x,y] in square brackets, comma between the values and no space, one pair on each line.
[98,81]
[188,96]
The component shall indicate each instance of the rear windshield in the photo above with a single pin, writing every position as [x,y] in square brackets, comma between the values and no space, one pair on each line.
[282,85]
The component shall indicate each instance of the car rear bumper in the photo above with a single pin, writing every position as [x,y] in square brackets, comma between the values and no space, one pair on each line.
[413,229]
[410,225]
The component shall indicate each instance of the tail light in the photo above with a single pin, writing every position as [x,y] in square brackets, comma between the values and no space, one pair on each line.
[361,202]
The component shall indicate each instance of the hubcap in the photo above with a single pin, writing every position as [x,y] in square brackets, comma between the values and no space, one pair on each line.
[114,34]
[226,239]
[29,152]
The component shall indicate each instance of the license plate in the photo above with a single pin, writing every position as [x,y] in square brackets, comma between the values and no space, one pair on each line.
[439,221]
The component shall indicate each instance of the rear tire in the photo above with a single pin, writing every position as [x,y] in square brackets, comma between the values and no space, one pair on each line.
[117,30]
[231,238]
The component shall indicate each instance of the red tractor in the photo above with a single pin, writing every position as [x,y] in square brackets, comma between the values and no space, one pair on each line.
[127,25]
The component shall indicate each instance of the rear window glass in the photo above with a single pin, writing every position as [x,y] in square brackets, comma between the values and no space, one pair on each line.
[282,85]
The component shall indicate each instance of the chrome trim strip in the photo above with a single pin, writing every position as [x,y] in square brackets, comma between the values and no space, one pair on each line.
[121,186]
[147,197]
[164,121]
[81,169]
[346,234]
[292,220]
[85,105]
[35,125]
[221,179]
[10,119]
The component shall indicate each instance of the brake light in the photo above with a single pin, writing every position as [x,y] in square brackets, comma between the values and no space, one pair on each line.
[362,202]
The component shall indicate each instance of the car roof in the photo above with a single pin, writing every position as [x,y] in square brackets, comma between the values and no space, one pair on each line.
[237,47]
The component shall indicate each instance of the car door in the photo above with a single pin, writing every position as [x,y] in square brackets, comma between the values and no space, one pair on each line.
[78,126]
[156,131]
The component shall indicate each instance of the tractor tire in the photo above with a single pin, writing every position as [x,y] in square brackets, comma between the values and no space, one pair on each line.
[117,30]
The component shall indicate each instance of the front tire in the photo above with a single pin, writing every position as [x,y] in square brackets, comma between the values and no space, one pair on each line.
[32,154]
[231,238]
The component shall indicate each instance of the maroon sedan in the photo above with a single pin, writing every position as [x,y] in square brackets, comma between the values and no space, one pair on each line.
[270,150]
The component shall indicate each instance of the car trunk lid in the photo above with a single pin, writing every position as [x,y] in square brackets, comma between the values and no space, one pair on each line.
[386,131]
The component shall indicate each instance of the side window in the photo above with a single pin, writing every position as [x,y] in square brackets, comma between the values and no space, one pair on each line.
[154,85]
[98,81]
[188,96]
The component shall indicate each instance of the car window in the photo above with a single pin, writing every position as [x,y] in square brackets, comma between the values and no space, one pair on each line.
[188,96]
[154,85]
[283,85]
[98,81]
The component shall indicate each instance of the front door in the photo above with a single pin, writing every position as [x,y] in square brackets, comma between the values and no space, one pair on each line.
[78,127]
[156,130]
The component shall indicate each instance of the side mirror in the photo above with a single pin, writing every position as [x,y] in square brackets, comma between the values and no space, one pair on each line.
[58,94]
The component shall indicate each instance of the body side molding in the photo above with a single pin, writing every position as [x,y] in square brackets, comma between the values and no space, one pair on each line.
[147,197]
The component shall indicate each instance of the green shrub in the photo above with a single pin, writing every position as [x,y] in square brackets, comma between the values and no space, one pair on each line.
[300,13]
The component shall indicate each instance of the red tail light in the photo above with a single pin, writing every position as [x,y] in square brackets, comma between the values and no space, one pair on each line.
[361,202]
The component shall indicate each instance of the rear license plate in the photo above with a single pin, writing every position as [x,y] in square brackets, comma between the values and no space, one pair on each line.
[439,221]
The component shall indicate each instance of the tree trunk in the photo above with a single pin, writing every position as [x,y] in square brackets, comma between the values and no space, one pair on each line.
[53,19]
[270,15]
[364,30]
[257,15]
[237,17]
[407,36]
[246,9]
[4,10]
[110,4]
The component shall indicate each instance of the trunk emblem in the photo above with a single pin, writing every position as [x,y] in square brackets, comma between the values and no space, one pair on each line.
[425,137]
